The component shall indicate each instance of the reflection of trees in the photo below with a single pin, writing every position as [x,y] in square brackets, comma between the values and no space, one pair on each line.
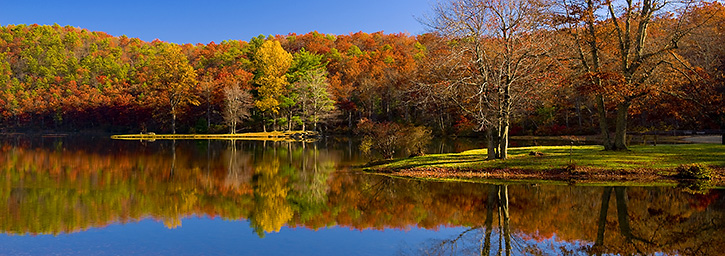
[271,209]
[239,167]
[310,183]
[622,218]
[478,239]
[657,223]
[50,190]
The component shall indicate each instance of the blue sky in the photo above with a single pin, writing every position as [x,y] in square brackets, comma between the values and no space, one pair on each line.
[194,22]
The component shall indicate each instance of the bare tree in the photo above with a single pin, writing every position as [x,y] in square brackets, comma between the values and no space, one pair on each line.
[315,99]
[497,54]
[238,102]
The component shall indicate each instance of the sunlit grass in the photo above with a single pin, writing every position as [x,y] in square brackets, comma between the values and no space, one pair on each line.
[554,157]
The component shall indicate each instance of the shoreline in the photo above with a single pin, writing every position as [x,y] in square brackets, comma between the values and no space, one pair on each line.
[265,136]
[643,165]
[589,177]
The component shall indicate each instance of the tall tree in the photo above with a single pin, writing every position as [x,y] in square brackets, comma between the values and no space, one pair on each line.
[500,45]
[316,104]
[174,78]
[623,73]
[237,104]
[271,62]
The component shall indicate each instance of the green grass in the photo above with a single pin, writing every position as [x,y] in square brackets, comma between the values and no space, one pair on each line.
[649,157]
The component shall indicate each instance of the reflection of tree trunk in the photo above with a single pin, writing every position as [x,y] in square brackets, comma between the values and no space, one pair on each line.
[289,153]
[606,195]
[623,217]
[622,213]
[173,159]
[505,229]
[208,162]
[232,155]
[488,224]
[304,157]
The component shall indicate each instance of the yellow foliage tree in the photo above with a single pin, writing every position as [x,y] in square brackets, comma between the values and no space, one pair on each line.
[271,62]
[271,210]
[174,78]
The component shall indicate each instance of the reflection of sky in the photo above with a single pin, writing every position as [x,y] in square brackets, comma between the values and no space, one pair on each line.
[204,236]
[471,242]
[553,246]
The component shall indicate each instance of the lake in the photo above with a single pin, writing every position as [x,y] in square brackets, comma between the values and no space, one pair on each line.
[96,196]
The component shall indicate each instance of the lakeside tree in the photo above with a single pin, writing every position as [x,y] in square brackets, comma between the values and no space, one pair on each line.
[497,51]
[315,98]
[705,98]
[174,79]
[620,57]
[238,102]
[304,63]
[271,62]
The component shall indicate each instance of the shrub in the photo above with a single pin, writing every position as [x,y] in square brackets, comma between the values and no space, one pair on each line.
[414,140]
[693,171]
[379,137]
[387,138]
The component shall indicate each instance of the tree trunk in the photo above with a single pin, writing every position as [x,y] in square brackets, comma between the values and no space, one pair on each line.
[503,140]
[173,120]
[274,122]
[490,133]
[579,111]
[603,123]
[620,136]
[208,115]
[349,120]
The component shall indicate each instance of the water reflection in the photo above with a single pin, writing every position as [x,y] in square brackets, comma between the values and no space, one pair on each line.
[63,186]
[556,221]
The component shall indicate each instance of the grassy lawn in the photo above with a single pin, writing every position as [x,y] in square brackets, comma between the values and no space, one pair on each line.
[557,157]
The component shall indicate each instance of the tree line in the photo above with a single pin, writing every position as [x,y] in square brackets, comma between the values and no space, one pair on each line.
[521,67]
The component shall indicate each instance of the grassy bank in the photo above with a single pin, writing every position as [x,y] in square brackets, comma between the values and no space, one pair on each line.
[584,163]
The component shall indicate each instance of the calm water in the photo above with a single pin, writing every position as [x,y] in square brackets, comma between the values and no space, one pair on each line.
[65,196]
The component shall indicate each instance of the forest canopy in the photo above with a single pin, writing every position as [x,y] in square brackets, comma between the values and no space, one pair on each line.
[72,79]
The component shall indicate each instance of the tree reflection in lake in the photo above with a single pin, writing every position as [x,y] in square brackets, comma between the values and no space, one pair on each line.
[51,188]
[554,221]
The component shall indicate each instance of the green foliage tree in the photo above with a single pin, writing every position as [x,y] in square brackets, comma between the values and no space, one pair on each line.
[315,98]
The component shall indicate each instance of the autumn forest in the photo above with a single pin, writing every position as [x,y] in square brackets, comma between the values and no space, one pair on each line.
[567,74]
